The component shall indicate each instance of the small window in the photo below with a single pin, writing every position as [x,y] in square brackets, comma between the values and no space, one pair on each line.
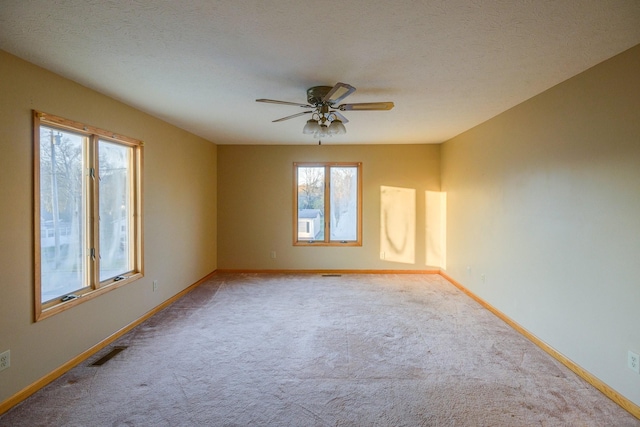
[88,234]
[327,204]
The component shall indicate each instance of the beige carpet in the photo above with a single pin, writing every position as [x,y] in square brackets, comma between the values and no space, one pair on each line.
[307,350]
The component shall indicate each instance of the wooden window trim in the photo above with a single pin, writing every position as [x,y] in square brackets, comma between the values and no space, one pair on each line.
[96,287]
[327,201]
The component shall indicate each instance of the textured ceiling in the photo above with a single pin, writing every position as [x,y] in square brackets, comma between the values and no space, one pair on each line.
[200,64]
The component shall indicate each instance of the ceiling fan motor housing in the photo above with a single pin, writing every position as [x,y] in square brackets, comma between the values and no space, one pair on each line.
[317,93]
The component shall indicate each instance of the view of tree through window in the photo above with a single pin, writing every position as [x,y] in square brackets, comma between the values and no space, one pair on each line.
[63,216]
[339,213]
[87,210]
[311,203]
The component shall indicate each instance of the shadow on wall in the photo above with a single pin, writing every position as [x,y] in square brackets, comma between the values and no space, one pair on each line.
[398,226]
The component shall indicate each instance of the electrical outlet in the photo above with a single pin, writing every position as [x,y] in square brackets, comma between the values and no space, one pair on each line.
[5,360]
[483,278]
[155,285]
[273,254]
[633,361]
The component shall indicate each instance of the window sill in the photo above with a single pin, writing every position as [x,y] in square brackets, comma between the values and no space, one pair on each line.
[320,243]
[54,307]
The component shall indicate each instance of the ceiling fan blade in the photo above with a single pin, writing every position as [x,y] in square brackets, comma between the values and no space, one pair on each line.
[340,117]
[292,116]
[337,93]
[273,101]
[366,106]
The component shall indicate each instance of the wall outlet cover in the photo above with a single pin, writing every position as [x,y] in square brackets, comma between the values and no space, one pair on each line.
[633,361]
[5,360]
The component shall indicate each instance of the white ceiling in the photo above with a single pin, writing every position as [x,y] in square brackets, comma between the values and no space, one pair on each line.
[200,64]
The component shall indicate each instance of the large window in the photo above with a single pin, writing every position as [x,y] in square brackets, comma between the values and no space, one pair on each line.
[327,204]
[88,219]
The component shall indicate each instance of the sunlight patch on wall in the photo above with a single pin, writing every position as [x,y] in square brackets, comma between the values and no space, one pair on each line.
[397,224]
[436,228]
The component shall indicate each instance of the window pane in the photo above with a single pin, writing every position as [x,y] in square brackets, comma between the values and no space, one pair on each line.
[116,229]
[310,203]
[344,203]
[63,256]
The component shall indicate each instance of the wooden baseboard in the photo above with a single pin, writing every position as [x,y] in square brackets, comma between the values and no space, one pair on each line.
[245,271]
[32,388]
[625,403]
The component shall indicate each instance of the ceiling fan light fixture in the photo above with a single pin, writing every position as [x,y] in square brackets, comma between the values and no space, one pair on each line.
[324,132]
[337,128]
[311,127]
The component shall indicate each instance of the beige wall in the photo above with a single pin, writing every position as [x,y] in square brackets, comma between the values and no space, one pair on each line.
[179,220]
[544,200]
[255,193]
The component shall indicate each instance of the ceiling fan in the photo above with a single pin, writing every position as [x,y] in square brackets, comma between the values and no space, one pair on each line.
[324,105]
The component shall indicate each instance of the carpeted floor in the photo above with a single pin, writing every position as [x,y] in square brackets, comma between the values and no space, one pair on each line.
[307,350]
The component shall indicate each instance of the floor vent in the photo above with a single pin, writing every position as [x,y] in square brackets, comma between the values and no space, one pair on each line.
[332,275]
[104,359]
